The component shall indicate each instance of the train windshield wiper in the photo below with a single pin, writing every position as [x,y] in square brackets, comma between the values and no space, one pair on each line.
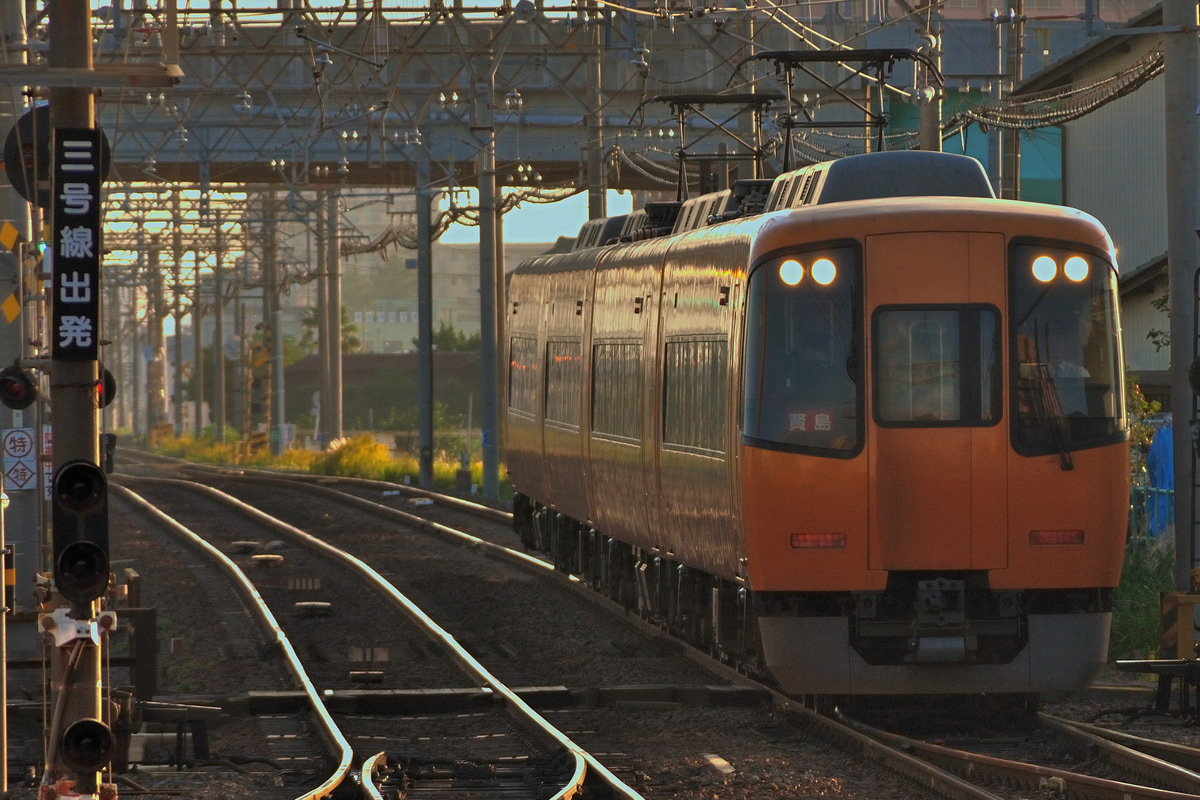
[1049,410]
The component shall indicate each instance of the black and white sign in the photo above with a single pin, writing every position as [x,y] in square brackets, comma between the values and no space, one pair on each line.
[76,244]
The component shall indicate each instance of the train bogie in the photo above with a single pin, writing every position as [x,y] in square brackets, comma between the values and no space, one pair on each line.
[868,447]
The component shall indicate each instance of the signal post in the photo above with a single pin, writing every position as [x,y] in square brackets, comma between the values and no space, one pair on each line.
[80,741]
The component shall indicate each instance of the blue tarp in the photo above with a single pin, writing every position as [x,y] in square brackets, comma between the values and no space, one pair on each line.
[1160,474]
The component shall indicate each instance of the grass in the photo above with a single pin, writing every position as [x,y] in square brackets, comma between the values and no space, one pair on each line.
[1149,570]
[356,457]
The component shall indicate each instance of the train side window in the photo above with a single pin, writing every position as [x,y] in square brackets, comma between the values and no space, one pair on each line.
[523,375]
[937,366]
[563,373]
[617,390]
[695,375]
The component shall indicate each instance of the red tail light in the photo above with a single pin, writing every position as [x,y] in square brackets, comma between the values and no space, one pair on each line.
[807,541]
[1056,537]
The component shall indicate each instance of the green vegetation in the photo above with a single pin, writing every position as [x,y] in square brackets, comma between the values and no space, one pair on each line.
[449,339]
[1149,570]
[1149,567]
[357,457]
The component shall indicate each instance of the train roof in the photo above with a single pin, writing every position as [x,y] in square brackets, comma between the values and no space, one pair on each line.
[872,176]
[900,213]
[900,173]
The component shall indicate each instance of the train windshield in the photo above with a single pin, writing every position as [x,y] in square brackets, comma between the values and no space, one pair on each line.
[1066,355]
[802,386]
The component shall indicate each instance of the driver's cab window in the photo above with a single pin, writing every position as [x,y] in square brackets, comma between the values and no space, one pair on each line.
[937,365]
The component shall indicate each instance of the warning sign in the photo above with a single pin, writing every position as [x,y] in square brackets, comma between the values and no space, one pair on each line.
[18,444]
[20,459]
[19,476]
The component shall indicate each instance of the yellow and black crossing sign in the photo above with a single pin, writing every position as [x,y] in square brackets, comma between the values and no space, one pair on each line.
[10,237]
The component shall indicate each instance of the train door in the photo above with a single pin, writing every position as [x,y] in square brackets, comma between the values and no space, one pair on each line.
[649,311]
[934,300]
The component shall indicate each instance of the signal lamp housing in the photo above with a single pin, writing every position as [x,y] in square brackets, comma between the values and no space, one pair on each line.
[80,531]
[106,388]
[17,389]
[87,745]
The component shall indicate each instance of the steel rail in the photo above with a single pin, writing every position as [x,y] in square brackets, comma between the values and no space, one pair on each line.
[332,733]
[1167,762]
[368,773]
[1016,773]
[894,759]
[414,520]
[459,503]
[538,725]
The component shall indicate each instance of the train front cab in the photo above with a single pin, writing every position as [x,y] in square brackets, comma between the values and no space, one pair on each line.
[946,515]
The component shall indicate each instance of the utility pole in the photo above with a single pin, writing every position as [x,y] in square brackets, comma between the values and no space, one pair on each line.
[425,321]
[219,333]
[324,330]
[333,264]
[485,133]
[1010,170]
[198,348]
[80,742]
[156,312]
[931,99]
[177,309]
[1181,56]
[597,194]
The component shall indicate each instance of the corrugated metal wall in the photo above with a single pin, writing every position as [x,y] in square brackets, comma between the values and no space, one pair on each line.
[1114,169]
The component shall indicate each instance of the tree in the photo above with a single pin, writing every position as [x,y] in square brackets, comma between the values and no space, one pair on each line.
[449,339]
[310,326]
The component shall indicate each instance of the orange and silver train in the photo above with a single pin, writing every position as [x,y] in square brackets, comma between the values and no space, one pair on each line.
[861,428]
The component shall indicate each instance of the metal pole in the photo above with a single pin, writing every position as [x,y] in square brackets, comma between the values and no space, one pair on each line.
[597,195]
[1010,172]
[334,262]
[23,514]
[198,347]
[177,310]
[73,400]
[424,321]
[1180,55]
[278,445]
[324,331]
[931,103]
[486,162]
[219,334]
[157,366]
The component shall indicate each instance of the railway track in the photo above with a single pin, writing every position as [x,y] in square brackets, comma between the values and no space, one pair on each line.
[926,774]
[488,738]
[1101,766]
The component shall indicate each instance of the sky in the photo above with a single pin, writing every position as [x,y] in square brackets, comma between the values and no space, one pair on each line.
[538,222]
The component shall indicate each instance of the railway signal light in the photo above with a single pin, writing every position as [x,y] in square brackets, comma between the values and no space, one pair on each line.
[87,745]
[17,389]
[106,387]
[80,520]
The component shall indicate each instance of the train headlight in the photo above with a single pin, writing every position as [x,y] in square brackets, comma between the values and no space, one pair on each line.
[824,271]
[791,272]
[1044,268]
[1076,268]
